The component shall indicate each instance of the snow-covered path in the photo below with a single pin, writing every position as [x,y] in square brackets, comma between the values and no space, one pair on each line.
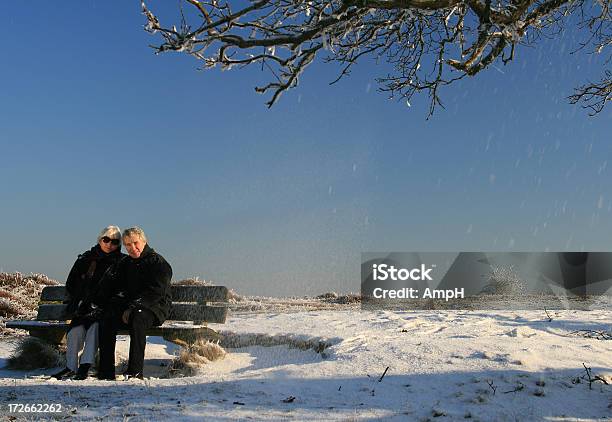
[447,365]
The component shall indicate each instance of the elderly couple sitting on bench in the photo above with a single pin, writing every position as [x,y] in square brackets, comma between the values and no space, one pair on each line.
[109,291]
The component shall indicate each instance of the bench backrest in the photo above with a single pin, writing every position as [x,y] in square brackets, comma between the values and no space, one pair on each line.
[189,303]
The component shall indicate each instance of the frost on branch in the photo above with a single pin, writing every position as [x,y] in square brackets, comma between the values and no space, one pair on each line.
[427,43]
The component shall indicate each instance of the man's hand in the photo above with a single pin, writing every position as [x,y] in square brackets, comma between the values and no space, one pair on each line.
[126,316]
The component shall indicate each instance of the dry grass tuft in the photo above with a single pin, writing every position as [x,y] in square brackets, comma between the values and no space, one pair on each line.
[33,353]
[194,357]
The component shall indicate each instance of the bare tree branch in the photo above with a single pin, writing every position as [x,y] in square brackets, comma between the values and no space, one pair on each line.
[428,43]
[594,96]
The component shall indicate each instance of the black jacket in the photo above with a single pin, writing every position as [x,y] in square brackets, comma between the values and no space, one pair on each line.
[143,282]
[83,282]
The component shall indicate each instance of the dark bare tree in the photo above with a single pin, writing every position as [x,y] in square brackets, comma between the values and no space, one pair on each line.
[429,43]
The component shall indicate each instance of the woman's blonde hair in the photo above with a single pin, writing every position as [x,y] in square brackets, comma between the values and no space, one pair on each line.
[113,232]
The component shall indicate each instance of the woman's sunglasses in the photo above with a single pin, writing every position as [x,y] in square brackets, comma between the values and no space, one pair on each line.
[107,239]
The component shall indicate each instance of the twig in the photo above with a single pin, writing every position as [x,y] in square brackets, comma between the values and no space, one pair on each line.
[520,387]
[548,315]
[383,375]
[593,379]
[599,335]
[493,387]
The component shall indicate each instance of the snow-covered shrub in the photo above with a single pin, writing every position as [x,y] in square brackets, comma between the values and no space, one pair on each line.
[504,280]
[328,295]
[333,297]
[233,297]
[11,308]
[231,340]
[19,296]
[349,298]
[24,290]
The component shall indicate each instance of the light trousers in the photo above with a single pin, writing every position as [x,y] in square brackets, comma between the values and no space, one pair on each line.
[77,338]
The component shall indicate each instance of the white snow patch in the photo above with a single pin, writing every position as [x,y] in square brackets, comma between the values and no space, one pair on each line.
[443,364]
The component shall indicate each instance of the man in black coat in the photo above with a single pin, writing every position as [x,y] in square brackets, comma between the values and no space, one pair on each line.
[139,291]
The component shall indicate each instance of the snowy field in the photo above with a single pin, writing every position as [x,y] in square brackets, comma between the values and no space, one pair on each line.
[442,365]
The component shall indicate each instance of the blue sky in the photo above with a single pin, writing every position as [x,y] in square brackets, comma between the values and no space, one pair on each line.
[95,130]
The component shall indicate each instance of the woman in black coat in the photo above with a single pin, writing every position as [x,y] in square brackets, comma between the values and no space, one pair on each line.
[82,285]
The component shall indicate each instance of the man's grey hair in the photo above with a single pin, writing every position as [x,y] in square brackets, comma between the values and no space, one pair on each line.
[135,231]
[112,232]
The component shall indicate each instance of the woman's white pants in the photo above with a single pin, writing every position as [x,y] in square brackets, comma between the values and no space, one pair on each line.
[77,338]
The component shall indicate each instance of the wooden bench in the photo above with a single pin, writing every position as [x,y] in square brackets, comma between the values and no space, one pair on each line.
[193,307]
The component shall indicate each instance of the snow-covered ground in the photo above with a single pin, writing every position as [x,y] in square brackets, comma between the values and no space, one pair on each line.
[442,365]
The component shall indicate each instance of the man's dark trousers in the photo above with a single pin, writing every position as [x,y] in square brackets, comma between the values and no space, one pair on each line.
[140,320]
